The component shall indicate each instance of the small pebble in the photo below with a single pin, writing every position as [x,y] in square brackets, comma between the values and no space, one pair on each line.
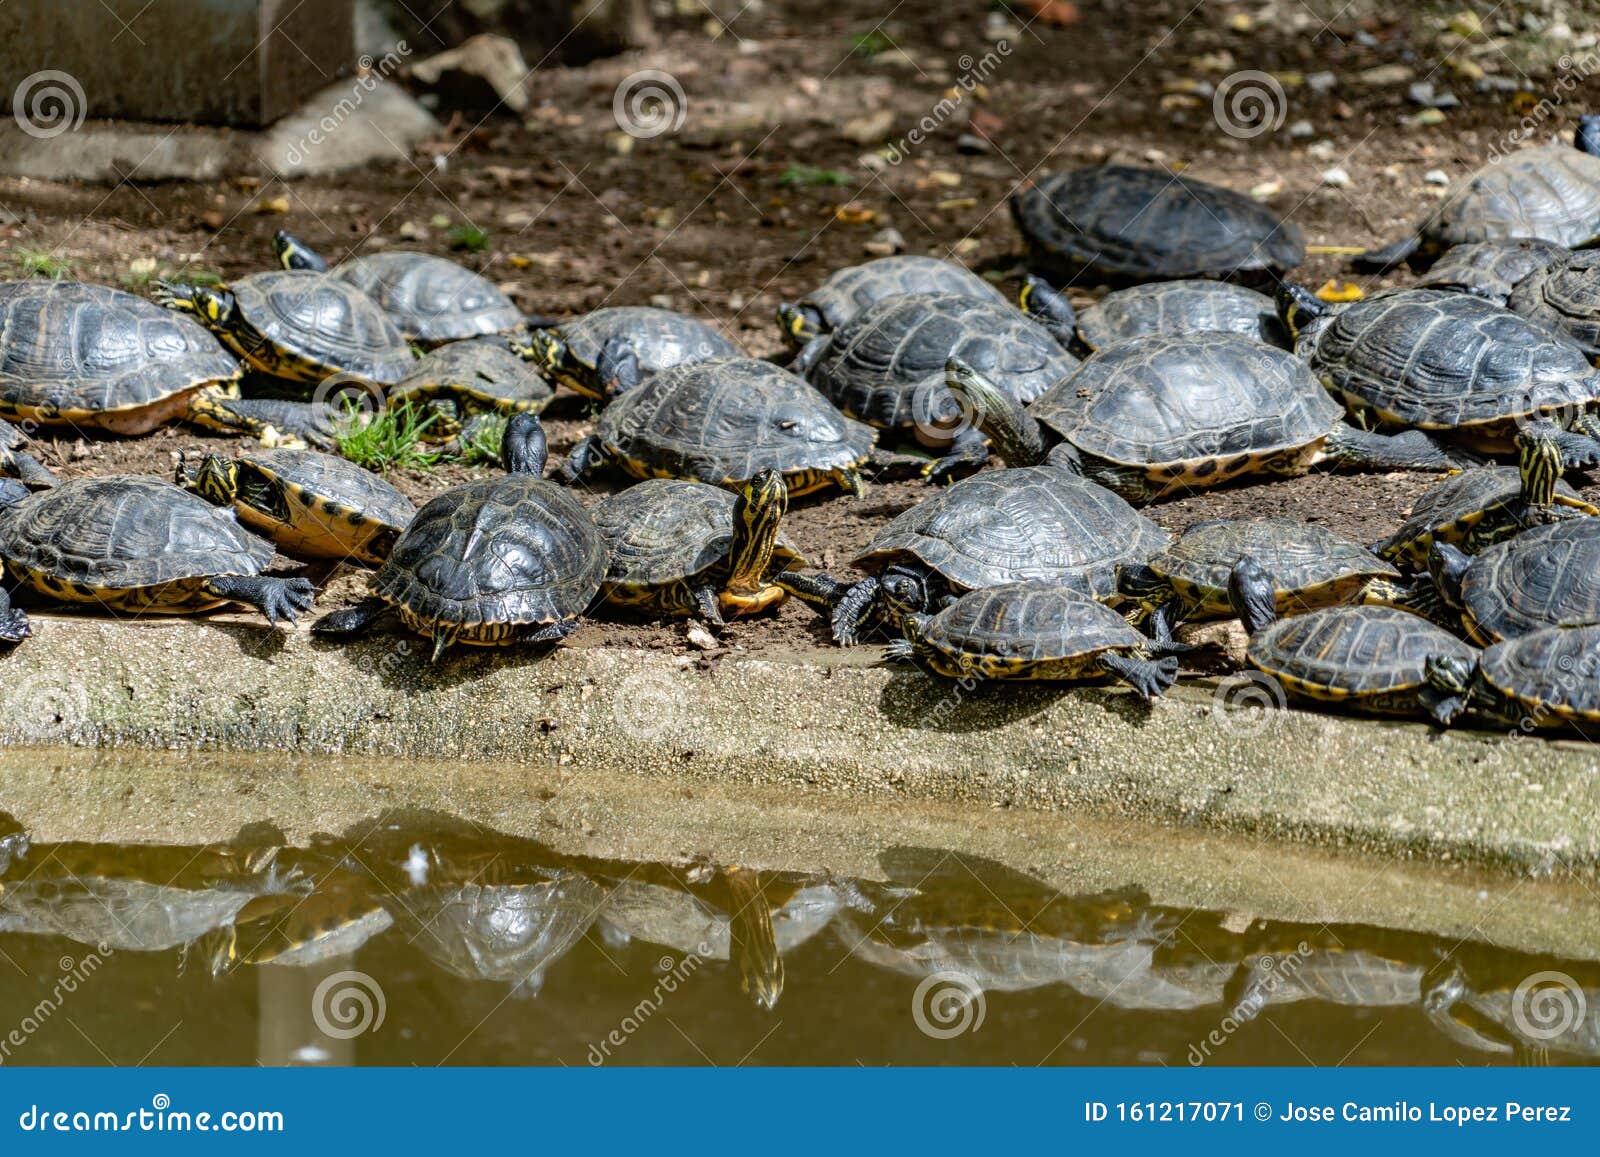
[885,243]
[1436,177]
[1337,178]
[1302,129]
[1322,82]
[971,144]
[701,639]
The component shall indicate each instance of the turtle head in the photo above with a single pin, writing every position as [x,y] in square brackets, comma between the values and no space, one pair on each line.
[1001,417]
[760,507]
[294,253]
[1539,463]
[1587,138]
[905,592]
[1449,685]
[544,349]
[1446,566]
[1253,595]
[1039,299]
[1298,307]
[800,322]
[12,492]
[212,305]
[216,479]
[522,446]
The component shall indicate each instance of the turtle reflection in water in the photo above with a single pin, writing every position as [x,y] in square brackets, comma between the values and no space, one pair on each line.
[1291,963]
[1532,1015]
[300,931]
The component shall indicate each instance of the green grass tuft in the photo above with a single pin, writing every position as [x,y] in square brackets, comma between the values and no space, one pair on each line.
[41,263]
[871,43]
[482,445]
[469,237]
[806,176]
[388,441]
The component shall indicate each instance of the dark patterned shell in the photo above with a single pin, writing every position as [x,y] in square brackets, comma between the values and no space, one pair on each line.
[1160,400]
[484,373]
[1462,496]
[665,529]
[1437,360]
[661,339]
[1036,522]
[886,366]
[1553,670]
[1297,555]
[846,292]
[1029,622]
[431,299]
[513,549]
[1545,577]
[335,479]
[322,319]
[1551,193]
[1354,650]
[723,421]
[127,531]
[1491,269]
[1565,297]
[1178,309]
[66,346]
[1130,223]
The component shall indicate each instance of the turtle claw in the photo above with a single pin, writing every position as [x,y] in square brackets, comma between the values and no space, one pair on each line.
[274,597]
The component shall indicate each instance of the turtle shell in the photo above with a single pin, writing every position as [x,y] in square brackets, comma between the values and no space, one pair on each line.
[1550,193]
[846,292]
[324,322]
[497,553]
[1375,655]
[90,356]
[1550,672]
[664,530]
[1025,623]
[1180,308]
[1545,577]
[660,338]
[1491,269]
[1309,565]
[1437,360]
[723,421]
[886,366]
[1564,296]
[1193,410]
[1135,224]
[1452,510]
[321,505]
[431,299]
[480,375]
[1031,523]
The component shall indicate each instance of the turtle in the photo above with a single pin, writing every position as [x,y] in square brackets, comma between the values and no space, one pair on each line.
[498,561]
[15,840]
[1564,296]
[679,547]
[431,300]
[295,930]
[1032,523]
[1435,360]
[1483,506]
[1511,1012]
[1153,416]
[722,422]
[1165,308]
[1546,679]
[16,462]
[1545,577]
[885,367]
[466,379]
[1128,224]
[312,505]
[1370,659]
[1490,269]
[1033,630]
[610,351]
[92,357]
[844,293]
[1549,193]
[144,546]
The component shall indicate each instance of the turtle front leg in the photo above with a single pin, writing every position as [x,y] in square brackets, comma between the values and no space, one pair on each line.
[586,457]
[821,592]
[351,621]
[854,610]
[273,597]
[548,633]
[1387,258]
[1149,677]
[708,604]
[968,454]
[14,625]
[617,367]
[1580,442]
[24,466]
[1409,450]
[313,423]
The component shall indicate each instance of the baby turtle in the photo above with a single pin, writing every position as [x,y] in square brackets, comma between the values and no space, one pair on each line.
[1153,416]
[885,367]
[465,379]
[1132,224]
[1564,296]
[1480,507]
[844,293]
[312,505]
[1033,630]
[1550,193]
[430,299]
[16,462]
[502,560]
[1491,269]
[610,351]
[679,547]
[1452,362]
[1164,309]
[1545,577]
[722,422]
[138,544]
[1369,659]
[87,356]
[1544,679]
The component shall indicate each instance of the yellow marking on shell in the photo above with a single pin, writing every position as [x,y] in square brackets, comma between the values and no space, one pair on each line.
[180,597]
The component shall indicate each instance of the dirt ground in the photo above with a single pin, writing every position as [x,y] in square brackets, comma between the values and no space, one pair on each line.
[711,219]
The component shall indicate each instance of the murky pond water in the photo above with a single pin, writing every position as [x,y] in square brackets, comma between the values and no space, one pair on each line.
[419,940]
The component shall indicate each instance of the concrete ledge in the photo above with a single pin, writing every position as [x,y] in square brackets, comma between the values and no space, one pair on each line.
[825,721]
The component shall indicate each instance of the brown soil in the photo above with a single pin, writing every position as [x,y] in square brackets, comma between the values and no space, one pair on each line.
[702,220]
